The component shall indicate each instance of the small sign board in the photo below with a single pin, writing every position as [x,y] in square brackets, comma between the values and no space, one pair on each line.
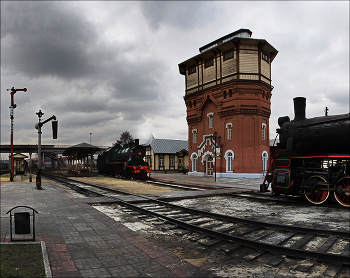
[22,223]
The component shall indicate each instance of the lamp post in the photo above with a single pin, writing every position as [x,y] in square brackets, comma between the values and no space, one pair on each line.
[214,143]
[12,107]
[91,158]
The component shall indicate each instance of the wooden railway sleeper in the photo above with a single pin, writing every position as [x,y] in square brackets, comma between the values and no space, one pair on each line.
[246,242]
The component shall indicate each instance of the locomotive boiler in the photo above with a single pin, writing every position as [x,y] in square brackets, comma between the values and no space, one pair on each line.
[124,161]
[313,159]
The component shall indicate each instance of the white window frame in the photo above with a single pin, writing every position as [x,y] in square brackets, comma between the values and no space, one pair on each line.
[194,159]
[171,160]
[229,157]
[148,159]
[194,136]
[161,160]
[229,131]
[265,159]
[211,119]
[263,126]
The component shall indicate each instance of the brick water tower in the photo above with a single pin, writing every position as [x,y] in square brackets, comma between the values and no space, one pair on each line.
[228,94]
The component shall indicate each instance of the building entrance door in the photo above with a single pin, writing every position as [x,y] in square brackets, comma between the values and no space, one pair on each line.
[18,166]
[210,168]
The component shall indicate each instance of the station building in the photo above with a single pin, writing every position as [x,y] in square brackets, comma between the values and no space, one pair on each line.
[228,94]
[167,155]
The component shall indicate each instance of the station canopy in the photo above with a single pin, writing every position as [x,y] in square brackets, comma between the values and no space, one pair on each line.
[80,158]
[81,150]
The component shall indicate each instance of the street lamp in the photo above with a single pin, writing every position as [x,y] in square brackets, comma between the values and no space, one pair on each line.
[214,143]
[90,137]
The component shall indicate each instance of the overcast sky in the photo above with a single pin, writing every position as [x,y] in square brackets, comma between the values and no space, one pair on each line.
[107,67]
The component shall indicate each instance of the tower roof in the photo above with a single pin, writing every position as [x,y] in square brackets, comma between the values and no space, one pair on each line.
[241,35]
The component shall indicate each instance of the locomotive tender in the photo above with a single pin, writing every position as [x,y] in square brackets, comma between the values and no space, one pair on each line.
[314,157]
[124,161]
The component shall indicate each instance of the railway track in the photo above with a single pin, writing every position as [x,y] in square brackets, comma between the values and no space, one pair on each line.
[282,240]
[254,195]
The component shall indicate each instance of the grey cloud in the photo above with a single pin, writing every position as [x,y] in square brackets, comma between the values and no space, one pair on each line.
[182,14]
[100,69]
[45,39]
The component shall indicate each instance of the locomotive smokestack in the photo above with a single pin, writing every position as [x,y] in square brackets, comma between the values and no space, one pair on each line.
[137,142]
[299,108]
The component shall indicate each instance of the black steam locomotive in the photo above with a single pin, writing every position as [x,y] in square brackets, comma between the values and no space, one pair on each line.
[313,158]
[124,161]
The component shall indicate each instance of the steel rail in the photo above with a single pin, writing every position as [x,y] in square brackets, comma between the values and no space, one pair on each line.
[274,248]
[281,227]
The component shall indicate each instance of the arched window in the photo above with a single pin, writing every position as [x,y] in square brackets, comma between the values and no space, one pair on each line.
[265,158]
[229,156]
[263,126]
[211,119]
[194,159]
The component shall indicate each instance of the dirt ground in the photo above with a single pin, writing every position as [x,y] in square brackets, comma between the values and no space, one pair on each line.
[130,186]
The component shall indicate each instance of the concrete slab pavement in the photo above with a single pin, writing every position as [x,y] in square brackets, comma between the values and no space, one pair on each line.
[83,242]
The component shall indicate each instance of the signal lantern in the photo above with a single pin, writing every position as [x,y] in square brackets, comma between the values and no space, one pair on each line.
[54,129]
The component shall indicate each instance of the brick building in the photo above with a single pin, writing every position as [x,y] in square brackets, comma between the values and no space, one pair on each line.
[228,91]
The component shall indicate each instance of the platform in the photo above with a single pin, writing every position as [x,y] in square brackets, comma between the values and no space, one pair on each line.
[83,242]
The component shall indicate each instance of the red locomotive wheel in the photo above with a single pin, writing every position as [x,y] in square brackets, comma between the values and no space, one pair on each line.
[343,197]
[319,196]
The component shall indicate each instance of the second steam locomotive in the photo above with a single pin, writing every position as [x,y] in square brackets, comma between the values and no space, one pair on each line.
[314,157]
[125,161]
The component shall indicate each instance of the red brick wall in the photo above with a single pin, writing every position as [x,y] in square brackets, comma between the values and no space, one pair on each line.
[246,109]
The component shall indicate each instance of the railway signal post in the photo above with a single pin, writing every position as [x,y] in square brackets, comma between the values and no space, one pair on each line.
[54,133]
[12,107]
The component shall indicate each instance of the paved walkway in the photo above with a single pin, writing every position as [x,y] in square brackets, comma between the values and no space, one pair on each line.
[83,242]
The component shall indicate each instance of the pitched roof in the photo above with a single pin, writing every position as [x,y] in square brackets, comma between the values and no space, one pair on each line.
[82,147]
[167,145]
